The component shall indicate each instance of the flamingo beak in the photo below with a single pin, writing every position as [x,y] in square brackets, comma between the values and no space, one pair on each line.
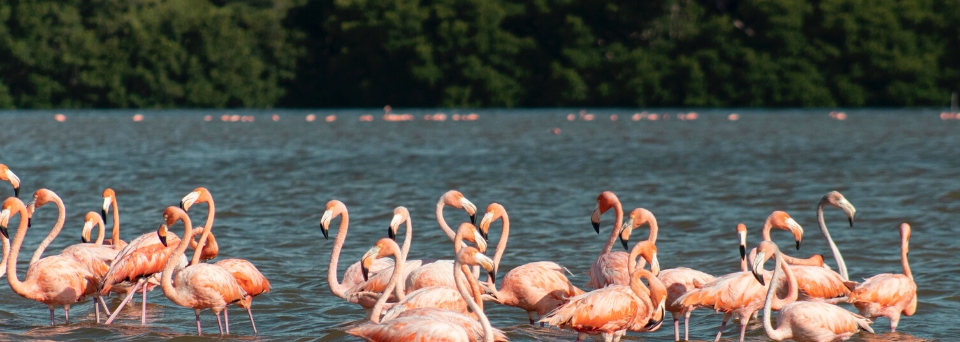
[162,234]
[188,200]
[106,207]
[485,224]
[15,182]
[758,267]
[394,225]
[16,192]
[367,260]
[4,220]
[655,265]
[848,208]
[798,245]
[325,223]
[743,245]
[391,234]
[487,265]
[470,208]
[595,218]
[31,207]
[625,230]
[84,235]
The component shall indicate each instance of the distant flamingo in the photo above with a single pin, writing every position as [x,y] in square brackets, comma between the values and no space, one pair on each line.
[737,293]
[198,286]
[427,328]
[441,294]
[55,280]
[802,321]
[352,276]
[536,287]
[7,176]
[110,201]
[246,274]
[887,294]
[612,310]
[609,268]
[142,258]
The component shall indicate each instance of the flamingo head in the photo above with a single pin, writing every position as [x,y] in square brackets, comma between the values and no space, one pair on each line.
[637,218]
[837,200]
[11,206]
[782,220]
[43,196]
[742,234]
[470,233]
[198,195]
[473,257]
[455,199]
[334,208]
[383,248]
[605,201]
[89,221]
[400,215]
[495,211]
[648,251]
[905,237]
[7,175]
[109,197]
[765,251]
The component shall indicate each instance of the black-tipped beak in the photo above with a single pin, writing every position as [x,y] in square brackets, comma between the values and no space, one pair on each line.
[798,245]
[365,272]
[181,206]
[652,324]
[596,226]
[163,239]
[16,192]
[3,230]
[851,221]
[473,219]
[30,222]
[743,252]
[484,235]
[83,239]
[325,234]
[103,215]
[390,234]
[493,276]
[759,278]
[625,243]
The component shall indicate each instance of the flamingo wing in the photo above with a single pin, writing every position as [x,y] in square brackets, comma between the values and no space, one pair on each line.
[818,282]
[886,290]
[681,280]
[610,268]
[609,309]
[726,293]
[247,276]
[467,323]
[143,256]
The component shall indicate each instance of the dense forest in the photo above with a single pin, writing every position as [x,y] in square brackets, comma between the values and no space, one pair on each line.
[477,53]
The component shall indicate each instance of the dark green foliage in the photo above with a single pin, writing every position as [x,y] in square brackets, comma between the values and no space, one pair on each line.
[478,53]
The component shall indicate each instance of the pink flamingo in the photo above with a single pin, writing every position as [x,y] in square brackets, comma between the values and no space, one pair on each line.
[536,287]
[837,200]
[736,294]
[427,328]
[441,295]
[110,201]
[245,273]
[198,286]
[352,276]
[7,176]
[802,321]
[610,267]
[55,280]
[887,294]
[612,310]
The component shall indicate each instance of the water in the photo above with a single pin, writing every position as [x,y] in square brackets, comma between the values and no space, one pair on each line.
[271,180]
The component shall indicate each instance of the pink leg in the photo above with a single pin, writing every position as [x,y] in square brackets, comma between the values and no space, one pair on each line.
[726,317]
[52,322]
[251,321]
[743,329]
[124,302]
[219,324]
[686,327]
[676,326]
[226,318]
[199,333]
[66,313]
[143,312]
[105,308]
[96,307]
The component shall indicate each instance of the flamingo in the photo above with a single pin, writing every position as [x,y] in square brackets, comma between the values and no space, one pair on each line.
[55,280]
[245,273]
[198,286]
[612,310]
[610,267]
[7,176]
[352,276]
[802,321]
[441,295]
[536,287]
[887,294]
[837,200]
[110,201]
[736,293]
[427,327]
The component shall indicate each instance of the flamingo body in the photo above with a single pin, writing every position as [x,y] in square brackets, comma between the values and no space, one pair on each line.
[440,297]
[411,329]
[537,287]
[58,281]
[469,324]
[681,280]
[609,268]
[607,310]
[819,283]
[248,277]
[144,256]
[887,295]
[819,322]
[205,286]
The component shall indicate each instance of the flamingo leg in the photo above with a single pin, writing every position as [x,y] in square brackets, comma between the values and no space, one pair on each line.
[51,316]
[219,324]
[617,335]
[66,313]
[96,307]
[686,327]
[893,323]
[676,326]
[197,312]
[226,318]
[124,302]
[105,308]
[249,313]
[743,329]
[533,316]
[607,337]
[726,317]
[143,312]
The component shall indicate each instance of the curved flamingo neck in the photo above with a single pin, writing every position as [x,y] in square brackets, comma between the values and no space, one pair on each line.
[765,231]
[841,266]
[338,289]
[471,303]
[654,228]
[115,238]
[792,286]
[166,282]
[443,222]
[780,333]
[618,209]
[211,212]
[15,284]
[502,244]
[743,265]
[100,232]
[61,217]
[904,250]
[394,280]
[407,238]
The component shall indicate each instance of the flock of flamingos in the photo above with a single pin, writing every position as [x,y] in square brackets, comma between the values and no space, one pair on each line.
[442,300]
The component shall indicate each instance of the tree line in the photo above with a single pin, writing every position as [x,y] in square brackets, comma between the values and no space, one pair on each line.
[478,53]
